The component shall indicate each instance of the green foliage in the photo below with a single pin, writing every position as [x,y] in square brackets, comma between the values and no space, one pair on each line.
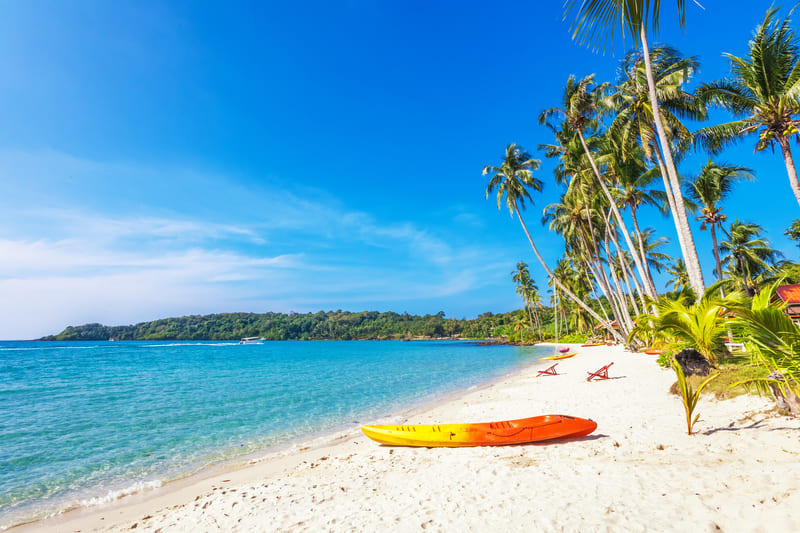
[689,394]
[574,338]
[664,360]
[793,232]
[701,325]
[645,332]
[773,339]
[331,325]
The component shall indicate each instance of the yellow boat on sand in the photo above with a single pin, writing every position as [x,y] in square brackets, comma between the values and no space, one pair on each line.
[563,356]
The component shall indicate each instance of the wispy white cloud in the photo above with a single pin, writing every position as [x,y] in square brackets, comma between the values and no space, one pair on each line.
[98,259]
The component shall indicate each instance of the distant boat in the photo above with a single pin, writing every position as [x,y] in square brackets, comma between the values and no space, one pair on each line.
[252,340]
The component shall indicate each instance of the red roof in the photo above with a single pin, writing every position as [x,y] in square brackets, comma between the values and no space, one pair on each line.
[790,294]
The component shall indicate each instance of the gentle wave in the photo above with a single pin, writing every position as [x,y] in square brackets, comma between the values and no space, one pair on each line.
[113,495]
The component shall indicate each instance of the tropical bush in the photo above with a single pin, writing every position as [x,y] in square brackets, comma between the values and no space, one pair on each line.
[774,341]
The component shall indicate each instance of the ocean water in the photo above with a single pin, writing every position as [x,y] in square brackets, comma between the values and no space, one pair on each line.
[85,422]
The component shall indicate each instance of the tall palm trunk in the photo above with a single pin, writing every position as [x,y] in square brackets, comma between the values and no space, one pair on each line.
[625,266]
[790,169]
[594,292]
[716,255]
[530,316]
[631,293]
[594,250]
[624,318]
[595,263]
[561,286]
[682,221]
[596,268]
[642,252]
[614,209]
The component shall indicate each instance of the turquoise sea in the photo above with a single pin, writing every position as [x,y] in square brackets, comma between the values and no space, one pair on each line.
[82,423]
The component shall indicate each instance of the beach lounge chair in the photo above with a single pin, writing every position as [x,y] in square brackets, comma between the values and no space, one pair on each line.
[602,373]
[548,371]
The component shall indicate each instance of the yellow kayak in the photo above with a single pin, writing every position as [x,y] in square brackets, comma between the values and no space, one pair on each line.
[552,357]
[522,431]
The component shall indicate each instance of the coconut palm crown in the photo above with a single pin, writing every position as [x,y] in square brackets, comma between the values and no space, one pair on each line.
[764,90]
[709,188]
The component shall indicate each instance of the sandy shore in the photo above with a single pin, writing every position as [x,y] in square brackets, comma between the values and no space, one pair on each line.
[638,472]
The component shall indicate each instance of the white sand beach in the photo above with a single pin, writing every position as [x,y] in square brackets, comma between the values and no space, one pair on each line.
[639,471]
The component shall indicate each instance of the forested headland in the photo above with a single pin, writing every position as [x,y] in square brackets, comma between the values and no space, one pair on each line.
[330,325]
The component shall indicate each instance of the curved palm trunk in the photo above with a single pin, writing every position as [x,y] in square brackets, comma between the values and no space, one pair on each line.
[642,252]
[594,292]
[623,317]
[561,286]
[595,263]
[530,316]
[599,273]
[682,221]
[594,252]
[626,269]
[673,208]
[716,256]
[790,168]
[626,279]
[614,209]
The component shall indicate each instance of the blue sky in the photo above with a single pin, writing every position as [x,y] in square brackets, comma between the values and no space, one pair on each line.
[169,158]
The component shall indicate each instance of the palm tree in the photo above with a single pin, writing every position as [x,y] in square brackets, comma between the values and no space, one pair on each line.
[709,188]
[748,254]
[633,128]
[520,324]
[525,288]
[580,106]
[634,18]
[512,180]
[633,180]
[793,232]
[655,259]
[679,277]
[765,90]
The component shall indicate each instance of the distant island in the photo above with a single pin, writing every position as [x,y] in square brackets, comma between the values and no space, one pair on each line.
[330,325]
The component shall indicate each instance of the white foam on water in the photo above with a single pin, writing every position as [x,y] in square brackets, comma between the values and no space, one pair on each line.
[113,495]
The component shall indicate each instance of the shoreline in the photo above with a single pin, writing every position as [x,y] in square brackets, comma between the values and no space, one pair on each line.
[739,471]
[271,459]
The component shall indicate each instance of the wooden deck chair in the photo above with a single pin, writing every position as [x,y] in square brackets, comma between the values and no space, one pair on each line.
[602,373]
[548,371]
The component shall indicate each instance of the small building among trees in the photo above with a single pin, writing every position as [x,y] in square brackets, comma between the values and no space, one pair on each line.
[790,295]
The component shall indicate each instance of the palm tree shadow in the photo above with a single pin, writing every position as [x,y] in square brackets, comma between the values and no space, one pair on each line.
[731,427]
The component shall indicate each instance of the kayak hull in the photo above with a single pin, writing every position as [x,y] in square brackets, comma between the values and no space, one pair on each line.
[522,431]
[552,357]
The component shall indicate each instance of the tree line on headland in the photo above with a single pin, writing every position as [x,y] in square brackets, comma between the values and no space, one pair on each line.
[330,325]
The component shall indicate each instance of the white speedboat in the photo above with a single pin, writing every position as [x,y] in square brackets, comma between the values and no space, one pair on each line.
[252,340]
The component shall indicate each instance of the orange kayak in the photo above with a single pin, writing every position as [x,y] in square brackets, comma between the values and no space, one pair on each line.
[653,352]
[522,431]
[590,345]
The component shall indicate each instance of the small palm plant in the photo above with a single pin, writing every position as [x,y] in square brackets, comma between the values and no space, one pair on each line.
[700,325]
[689,395]
[774,340]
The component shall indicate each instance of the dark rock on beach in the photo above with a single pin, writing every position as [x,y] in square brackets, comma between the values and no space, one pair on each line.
[693,363]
